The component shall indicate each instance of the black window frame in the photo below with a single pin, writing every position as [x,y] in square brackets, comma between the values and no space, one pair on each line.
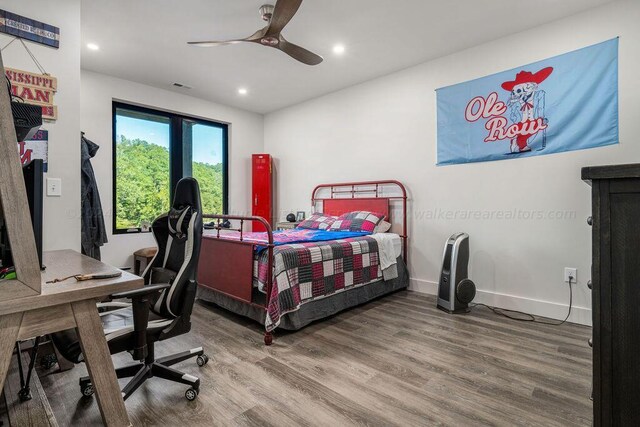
[176,154]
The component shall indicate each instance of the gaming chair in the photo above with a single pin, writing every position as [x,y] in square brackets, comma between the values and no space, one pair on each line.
[162,308]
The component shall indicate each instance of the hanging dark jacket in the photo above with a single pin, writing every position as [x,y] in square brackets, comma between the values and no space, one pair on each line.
[94,233]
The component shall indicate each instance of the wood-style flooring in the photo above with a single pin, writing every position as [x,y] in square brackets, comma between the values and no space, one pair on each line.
[395,361]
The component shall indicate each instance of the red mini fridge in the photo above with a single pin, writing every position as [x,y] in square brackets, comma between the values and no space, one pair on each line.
[262,189]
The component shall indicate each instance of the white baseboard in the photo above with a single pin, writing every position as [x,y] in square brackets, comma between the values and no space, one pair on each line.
[552,310]
[423,286]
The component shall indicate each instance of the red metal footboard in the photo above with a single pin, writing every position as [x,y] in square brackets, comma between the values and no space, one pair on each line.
[226,265]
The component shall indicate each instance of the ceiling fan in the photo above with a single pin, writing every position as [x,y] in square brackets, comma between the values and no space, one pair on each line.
[278,17]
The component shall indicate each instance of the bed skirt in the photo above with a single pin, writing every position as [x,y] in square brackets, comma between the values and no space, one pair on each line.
[314,310]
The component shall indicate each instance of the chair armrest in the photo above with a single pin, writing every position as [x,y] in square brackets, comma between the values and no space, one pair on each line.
[142,291]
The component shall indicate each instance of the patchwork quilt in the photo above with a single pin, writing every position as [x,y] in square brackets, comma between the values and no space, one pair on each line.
[308,271]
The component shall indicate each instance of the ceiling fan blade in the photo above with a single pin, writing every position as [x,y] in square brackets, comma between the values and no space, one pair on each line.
[282,14]
[299,53]
[215,43]
[252,38]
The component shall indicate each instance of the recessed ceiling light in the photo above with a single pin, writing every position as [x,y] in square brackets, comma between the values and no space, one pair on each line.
[93,46]
[243,91]
[338,49]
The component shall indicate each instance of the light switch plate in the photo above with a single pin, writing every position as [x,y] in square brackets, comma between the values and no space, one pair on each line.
[54,187]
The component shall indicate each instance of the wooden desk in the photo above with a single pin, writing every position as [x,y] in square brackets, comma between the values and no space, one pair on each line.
[66,305]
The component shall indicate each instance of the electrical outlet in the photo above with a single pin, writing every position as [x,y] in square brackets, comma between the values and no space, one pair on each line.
[54,187]
[573,272]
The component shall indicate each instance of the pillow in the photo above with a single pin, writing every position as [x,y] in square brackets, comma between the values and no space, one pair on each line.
[357,221]
[318,221]
[383,227]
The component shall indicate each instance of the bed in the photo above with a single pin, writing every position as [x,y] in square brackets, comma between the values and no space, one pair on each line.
[290,278]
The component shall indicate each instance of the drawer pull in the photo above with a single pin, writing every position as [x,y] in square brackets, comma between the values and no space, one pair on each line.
[589,285]
[590,220]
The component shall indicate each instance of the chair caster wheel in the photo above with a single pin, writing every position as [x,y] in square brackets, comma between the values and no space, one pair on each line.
[191,394]
[202,360]
[87,389]
[24,395]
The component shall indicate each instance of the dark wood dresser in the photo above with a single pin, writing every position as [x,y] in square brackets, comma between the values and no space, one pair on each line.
[616,293]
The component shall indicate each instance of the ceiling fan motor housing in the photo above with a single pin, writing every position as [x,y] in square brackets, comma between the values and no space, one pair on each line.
[266,11]
[269,41]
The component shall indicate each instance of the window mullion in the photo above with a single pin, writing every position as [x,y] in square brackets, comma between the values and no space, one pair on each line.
[176,158]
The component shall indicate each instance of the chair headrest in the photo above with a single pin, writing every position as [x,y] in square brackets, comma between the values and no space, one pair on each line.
[187,194]
[178,220]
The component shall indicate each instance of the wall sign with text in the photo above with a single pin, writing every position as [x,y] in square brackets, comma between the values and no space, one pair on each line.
[36,148]
[568,102]
[36,89]
[29,29]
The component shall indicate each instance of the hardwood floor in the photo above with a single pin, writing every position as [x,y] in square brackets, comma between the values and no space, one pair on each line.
[394,361]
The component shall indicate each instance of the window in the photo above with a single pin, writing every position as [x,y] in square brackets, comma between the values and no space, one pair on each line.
[203,159]
[152,151]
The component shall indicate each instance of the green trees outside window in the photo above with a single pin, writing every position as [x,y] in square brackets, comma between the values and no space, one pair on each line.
[149,154]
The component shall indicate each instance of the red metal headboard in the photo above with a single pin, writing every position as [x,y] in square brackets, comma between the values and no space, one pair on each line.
[373,196]
[337,207]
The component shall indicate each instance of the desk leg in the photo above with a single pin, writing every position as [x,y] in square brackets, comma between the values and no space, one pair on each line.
[9,328]
[99,364]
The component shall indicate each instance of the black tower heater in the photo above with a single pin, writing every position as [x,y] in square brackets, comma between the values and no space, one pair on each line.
[455,290]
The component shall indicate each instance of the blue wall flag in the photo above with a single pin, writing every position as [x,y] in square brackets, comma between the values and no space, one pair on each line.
[568,102]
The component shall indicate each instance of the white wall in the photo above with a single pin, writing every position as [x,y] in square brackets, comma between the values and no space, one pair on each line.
[98,92]
[61,214]
[381,129]
[386,129]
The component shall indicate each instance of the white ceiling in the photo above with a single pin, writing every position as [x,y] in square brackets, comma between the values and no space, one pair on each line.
[145,41]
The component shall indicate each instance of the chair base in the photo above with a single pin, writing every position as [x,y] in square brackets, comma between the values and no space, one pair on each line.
[161,368]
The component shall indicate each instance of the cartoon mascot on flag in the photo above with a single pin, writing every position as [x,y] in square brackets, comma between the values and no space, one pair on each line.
[526,105]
